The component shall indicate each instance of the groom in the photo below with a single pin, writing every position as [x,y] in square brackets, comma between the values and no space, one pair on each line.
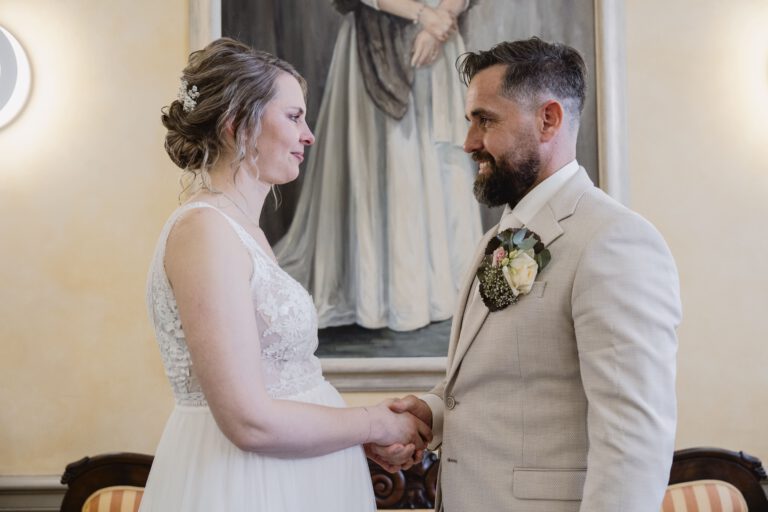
[565,399]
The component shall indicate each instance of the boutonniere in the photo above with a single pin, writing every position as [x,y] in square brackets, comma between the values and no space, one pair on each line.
[512,260]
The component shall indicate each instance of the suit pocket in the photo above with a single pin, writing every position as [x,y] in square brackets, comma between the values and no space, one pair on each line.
[548,484]
[537,289]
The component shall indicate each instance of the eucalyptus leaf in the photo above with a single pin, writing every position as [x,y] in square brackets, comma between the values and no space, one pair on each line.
[504,237]
[543,259]
[528,243]
[518,237]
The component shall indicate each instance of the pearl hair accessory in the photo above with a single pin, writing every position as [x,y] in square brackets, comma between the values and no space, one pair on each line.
[187,96]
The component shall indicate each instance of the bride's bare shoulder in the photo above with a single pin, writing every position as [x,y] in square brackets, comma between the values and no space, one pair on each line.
[202,237]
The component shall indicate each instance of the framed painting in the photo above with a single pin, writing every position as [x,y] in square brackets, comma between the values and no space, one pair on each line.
[305,34]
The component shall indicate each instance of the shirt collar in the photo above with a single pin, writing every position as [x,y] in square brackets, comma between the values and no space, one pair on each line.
[535,200]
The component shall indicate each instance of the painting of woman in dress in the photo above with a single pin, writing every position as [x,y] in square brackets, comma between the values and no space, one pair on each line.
[381,230]
[386,221]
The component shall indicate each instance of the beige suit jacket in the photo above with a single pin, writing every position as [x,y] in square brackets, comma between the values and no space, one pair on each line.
[565,401]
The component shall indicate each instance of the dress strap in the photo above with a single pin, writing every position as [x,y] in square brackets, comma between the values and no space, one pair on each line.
[248,240]
[157,276]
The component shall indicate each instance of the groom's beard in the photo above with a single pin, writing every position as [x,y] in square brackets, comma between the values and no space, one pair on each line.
[509,179]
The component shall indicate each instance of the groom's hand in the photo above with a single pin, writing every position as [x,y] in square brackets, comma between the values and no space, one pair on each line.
[415,406]
[395,457]
[420,409]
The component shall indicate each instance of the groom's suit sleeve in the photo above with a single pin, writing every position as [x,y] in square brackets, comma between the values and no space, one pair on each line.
[434,399]
[626,308]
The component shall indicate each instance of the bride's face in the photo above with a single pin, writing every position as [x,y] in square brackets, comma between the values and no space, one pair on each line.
[284,134]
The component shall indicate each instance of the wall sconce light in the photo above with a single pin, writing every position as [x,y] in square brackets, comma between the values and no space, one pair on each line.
[15,77]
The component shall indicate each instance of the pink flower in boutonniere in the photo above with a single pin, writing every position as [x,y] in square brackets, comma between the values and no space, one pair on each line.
[498,255]
[513,259]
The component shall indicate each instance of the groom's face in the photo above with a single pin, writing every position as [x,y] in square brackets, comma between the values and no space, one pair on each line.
[502,139]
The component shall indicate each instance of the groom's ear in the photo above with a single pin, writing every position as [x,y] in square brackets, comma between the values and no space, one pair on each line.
[550,119]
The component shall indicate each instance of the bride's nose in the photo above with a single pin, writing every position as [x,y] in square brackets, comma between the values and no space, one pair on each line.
[307,137]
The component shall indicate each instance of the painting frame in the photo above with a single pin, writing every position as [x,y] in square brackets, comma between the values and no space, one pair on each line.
[421,373]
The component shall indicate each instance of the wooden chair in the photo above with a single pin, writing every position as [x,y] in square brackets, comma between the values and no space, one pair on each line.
[410,489]
[414,488]
[116,479]
[95,478]
[738,469]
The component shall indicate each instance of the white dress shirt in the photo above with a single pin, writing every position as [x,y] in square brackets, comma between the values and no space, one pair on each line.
[534,200]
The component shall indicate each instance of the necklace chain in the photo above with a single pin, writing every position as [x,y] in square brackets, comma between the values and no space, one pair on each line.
[241,209]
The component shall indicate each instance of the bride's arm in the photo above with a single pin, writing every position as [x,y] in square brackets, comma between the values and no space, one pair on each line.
[209,270]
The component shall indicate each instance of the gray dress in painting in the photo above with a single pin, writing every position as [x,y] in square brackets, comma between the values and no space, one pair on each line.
[386,221]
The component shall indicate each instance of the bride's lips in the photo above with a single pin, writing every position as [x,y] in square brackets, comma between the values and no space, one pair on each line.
[299,156]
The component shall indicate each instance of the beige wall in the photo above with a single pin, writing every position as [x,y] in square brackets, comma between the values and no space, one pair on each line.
[85,187]
[698,108]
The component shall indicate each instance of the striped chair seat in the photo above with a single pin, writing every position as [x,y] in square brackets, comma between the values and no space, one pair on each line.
[703,496]
[118,498]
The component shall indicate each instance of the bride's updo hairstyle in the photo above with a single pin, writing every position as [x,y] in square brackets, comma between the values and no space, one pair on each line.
[227,83]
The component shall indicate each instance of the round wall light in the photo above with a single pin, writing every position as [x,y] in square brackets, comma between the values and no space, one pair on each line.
[15,77]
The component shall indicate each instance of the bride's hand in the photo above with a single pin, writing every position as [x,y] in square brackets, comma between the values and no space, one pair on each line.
[395,457]
[388,428]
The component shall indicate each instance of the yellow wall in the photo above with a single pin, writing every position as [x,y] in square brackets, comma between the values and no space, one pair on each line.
[85,186]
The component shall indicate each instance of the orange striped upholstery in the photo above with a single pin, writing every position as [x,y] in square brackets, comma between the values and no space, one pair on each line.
[703,496]
[120,498]
[695,496]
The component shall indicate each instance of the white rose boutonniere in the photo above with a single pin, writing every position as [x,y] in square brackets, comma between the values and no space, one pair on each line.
[520,273]
[513,259]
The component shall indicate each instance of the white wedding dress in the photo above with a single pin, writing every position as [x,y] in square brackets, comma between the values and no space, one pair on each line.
[196,468]
[386,223]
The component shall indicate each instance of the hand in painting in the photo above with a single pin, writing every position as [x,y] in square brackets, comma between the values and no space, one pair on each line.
[438,22]
[426,49]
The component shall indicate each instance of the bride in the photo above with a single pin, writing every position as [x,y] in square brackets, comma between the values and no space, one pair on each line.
[255,426]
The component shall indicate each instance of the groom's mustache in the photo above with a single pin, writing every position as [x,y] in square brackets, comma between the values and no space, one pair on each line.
[482,156]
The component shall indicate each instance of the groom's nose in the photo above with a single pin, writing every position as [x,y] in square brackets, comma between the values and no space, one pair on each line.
[474,140]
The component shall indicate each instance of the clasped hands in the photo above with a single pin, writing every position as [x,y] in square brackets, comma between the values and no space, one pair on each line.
[439,22]
[438,26]
[406,427]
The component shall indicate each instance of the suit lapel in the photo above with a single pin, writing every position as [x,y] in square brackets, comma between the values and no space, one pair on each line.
[466,292]
[546,224]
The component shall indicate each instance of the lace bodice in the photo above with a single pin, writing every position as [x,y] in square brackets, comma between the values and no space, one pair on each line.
[285,315]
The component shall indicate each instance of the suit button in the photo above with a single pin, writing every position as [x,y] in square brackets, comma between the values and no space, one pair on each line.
[450,402]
